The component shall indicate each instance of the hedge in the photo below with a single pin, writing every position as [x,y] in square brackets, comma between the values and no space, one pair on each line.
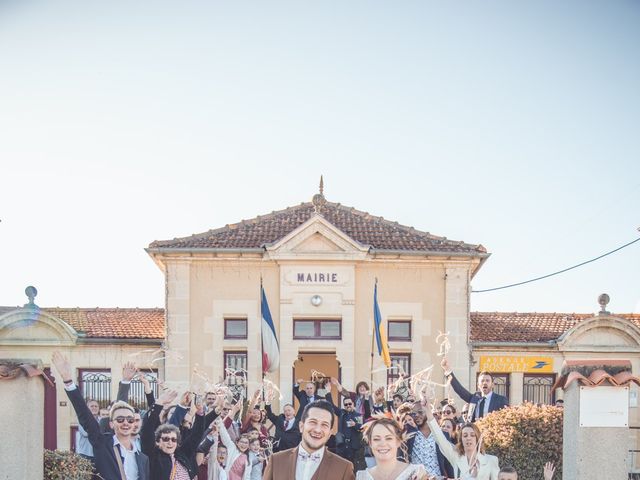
[63,465]
[525,437]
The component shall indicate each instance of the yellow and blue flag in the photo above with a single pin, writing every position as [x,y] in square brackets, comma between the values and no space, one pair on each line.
[381,334]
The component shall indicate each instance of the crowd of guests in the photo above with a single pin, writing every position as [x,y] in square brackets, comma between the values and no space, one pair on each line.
[218,437]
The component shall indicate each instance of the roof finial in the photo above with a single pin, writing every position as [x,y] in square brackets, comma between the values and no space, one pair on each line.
[318,199]
[31,293]
[603,300]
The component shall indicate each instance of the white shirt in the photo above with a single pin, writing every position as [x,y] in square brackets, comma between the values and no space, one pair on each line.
[306,468]
[129,464]
[83,446]
[487,401]
[288,426]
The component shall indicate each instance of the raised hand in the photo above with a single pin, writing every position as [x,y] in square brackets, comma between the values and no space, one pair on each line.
[128,371]
[167,397]
[144,381]
[445,364]
[549,470]
[63,367]
[186,399]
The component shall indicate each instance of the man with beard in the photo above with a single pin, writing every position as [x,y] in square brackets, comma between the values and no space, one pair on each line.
[422,447]
[311,460]
[484,401]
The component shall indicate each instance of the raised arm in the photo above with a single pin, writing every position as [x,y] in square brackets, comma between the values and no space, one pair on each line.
[341,390]
[226,439]
[148,391]
[446,447]
[273,418]
[246,421]
[85,417]
[181,410]
[329,399]
[152,421]
[296,389]
[192,438]
[128,372]
[462,392]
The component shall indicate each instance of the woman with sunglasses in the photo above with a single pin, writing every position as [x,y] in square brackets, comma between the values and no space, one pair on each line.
[170,456]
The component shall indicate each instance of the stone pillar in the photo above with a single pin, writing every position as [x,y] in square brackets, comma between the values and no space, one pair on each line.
[456,322]
[24,427]
[596,433]
[177,362]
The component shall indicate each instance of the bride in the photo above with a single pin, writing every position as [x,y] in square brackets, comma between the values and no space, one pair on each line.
[385,437]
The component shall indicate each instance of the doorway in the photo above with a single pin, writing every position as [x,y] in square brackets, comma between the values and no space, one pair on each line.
[318,367]
[50,411]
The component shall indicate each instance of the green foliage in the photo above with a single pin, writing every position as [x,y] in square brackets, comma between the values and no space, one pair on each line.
[525,437]
[62,465]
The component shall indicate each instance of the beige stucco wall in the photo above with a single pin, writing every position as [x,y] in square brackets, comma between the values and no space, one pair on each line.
[203,291]
[22,427]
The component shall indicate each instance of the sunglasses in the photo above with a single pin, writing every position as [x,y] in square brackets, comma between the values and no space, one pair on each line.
[348,404]
[169,439]
[123,419]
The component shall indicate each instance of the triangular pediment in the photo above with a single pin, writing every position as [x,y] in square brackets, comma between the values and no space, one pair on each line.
[319,239]
[33,326]
[601,333]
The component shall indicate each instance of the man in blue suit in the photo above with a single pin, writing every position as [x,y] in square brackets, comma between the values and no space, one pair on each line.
[484,401]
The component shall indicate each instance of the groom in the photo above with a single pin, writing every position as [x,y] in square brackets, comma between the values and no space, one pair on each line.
[311,460]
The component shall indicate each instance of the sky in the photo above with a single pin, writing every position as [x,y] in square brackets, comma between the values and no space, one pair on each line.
[510,124]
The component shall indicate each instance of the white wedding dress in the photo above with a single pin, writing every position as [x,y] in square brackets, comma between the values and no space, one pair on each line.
[406,474]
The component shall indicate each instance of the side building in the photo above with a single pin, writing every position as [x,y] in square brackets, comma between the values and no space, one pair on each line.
[98,341]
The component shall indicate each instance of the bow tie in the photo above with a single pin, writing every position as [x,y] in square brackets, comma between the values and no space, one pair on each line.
[309,457]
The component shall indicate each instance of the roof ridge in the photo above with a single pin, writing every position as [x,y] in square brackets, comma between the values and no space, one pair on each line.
[102,309]
[338,207]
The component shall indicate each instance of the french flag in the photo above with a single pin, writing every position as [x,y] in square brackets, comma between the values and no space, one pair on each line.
[270,347]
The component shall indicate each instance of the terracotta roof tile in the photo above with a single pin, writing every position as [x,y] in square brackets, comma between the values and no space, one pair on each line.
[114,322]
[528,327]
[596,378]
[377,232]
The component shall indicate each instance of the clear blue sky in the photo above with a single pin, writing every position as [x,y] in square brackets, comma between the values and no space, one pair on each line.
[511,124]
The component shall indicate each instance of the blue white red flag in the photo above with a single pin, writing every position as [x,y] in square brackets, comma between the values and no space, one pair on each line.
[270,347]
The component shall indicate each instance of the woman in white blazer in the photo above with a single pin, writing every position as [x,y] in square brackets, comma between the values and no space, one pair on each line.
[467,461]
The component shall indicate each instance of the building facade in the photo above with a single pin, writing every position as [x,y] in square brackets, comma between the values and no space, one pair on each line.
[318,263]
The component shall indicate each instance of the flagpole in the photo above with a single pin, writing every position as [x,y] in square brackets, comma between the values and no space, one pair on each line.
[373,336]
[261,341]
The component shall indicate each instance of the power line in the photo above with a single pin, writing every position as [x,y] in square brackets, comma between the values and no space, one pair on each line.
[558,272]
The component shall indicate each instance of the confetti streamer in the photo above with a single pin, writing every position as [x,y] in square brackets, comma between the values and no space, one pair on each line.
[444,344]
